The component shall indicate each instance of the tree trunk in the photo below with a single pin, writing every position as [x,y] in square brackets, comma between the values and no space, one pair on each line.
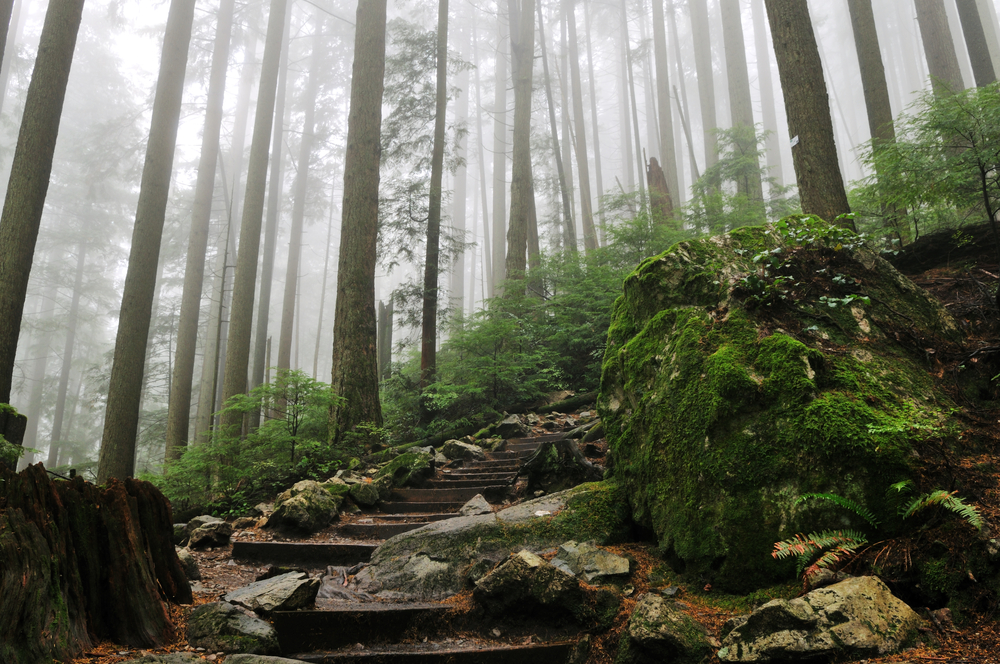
[569,229]
[84,561]
[594,120]
[975,41]
[384,340]
[34,409]
[681,100]
[73,319]
[301,188]
[570,234]
[6,8]
[821,185]
[460,202]
[583,167]
[29,173]
[521,190]
[121,417]
[640,161]
[355,361]
[244,280]
[500,155]
[179,410]
[428,327]
[487,253]
[706,86]
[741,108]
[946,77]
[872,71]
[764,79]
[275,195]
[326,274]
[625,110]
[988,18]
[659,192]
[667,149]
[12,36]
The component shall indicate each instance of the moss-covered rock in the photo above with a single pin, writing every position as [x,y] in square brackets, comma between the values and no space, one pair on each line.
[441,558]
[409,469]
[730,389]
[307,507]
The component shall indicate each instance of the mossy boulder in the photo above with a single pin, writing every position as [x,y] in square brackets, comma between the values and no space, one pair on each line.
[444,557]
[307,507]
[745,370]
[408,469]
[220,626]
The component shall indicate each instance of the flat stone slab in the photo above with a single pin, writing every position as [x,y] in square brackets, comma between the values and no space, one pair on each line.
[293,590]
[377,530]
[290,553]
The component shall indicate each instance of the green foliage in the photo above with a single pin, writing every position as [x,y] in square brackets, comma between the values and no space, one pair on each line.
[717,206]
[846,503]
[228,473]
[941,166]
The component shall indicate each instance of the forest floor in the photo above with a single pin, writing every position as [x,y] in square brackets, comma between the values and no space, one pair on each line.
[966,289]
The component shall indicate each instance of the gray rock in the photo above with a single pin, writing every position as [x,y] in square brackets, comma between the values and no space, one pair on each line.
[365,493]
[441,558]
[189,564]
[349,476]
[263,509]
[180,533]
[659,631]
[199,521]
[589,562]
[213,533]
[456,449]
[259,659]
[530,584]
[513,427]
[476,505]
[222,627]
[854,619]
[286,592]
[306,507]
[244,522]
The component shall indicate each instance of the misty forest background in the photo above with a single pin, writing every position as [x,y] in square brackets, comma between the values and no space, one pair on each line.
[597,122]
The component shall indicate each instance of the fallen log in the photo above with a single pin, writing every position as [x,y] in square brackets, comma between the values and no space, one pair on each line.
[80,562]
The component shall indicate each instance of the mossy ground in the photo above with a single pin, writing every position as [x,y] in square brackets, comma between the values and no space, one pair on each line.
[722,406]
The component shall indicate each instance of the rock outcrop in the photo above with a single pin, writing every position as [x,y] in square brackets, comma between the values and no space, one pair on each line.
[747,369]
[853,619]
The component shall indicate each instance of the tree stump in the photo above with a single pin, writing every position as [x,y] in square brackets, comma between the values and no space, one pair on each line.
[80,562]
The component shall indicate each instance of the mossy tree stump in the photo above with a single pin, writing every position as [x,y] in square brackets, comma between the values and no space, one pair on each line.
[80,562]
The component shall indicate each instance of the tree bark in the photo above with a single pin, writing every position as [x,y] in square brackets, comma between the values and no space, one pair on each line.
[179,409]
[975,41]
[84,561]
[384,340]
[326,274]
[299,206]
[741,108]
[6,8]
[521,190]
[355,361]
[456,287]
[988,18]
[667,148]
[640,161]
[121,419]
[872,70]
[817,173]
[500,155]
[706,86]
[946,77]
[428,327]
[10,44]
[764,79]
[582,166]
[244,280]
[73,319]
[29,173]
[599,179]
[487,252]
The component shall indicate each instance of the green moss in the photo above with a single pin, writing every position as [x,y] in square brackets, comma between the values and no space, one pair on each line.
[406,468]
[719,417]
[337,490]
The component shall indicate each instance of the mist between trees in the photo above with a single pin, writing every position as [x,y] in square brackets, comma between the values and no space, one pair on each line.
[429,206]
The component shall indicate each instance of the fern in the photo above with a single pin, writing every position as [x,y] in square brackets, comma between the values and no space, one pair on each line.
[846,503]
[950,502]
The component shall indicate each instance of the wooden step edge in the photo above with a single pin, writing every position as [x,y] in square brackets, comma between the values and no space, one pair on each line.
[440,653]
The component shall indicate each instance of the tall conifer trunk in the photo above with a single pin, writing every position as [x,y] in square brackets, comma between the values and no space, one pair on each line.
[521,189]
[741,108]
[582,165]
[942,63]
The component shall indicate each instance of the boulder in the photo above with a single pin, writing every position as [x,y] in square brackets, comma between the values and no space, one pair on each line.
[180,533]
[532,585]
[307,507]
[189,564]
[222,627]
[365,493]
[443,557]
[854,619]
[476,505]
[245,522]
[410,468]
[589,562]
[513,426]
[744,370]
[659,631]
[456,449]
[286,592]
[213,533]
[199,521]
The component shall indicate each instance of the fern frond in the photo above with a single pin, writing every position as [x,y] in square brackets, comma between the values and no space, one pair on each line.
[846,503]
[813,543]
[951,502]
[903,486]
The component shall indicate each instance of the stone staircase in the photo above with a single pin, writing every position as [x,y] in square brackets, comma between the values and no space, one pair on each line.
[338,632]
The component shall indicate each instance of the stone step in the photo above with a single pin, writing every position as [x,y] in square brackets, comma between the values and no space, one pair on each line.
[340,624]
[463,482]
[401,507]
[379,531]
[483,478]
[422,518]
[299,553]
[493,466]
[462,494]
[445,653]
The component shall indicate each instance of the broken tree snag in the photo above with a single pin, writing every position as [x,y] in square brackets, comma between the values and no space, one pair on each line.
[80,562]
